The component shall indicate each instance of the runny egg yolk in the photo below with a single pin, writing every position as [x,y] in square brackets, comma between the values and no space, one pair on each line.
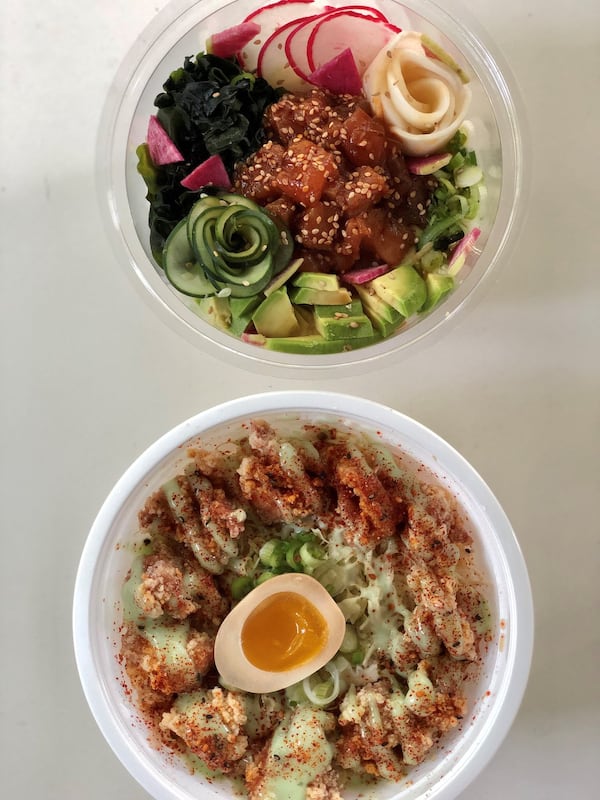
[284,631]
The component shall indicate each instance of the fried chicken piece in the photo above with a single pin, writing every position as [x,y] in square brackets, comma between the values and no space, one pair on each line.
[212,726]
[369,511]
[275,479]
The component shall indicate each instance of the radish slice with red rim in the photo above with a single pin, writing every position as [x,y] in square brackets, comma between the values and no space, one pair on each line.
[296,45]
[461,251]
[367,11]
[297,42]
[336,31]
[270,18]
[358,276]
[273,64]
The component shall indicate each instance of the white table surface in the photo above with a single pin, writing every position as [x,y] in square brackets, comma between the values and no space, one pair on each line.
[90,377]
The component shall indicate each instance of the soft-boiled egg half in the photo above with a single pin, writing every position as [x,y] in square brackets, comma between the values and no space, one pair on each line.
[281,632]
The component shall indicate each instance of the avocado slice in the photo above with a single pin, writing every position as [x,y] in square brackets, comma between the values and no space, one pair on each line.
[351,309]
[275,316]
[372,302]
[317,280]
[385,319]
[438,286]
[306,319]
[321,297]
[311,344]
[344,327]
[403,288]
[215,310]
[242,309]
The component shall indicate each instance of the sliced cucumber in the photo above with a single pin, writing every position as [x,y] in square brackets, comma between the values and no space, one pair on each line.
[236,242]
[181,268]
[210,253]
[239,200]
[227,245]
[282,246]
[197,209]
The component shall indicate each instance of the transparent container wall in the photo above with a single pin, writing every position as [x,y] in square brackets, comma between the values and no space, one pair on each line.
[181,31]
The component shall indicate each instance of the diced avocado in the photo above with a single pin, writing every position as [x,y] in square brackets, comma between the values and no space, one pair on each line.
[372,302]
[385,319]
[344,327]
[215,310]
[438,286]
[382,325]
[243,305]
[403,288]
[306,319]
[352,309]
[321,297]
[242,309]
[317,280]
[312,344]
[275,315]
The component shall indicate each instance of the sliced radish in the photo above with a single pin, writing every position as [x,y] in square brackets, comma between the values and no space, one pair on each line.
[358,276]
[211,172]
[161,147]
[297,42]
[339,75]
[461,251]
[365,35]
[427,165]
[270,18]
[273,64]
[296,45]
[366,10]
[227,43]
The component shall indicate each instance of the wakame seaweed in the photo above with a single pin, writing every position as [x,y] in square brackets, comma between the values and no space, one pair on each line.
[209,106]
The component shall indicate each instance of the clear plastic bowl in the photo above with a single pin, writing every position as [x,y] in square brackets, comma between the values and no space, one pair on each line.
[181,29]
[493,698]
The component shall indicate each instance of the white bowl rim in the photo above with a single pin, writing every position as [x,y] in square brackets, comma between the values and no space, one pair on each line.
[307,402]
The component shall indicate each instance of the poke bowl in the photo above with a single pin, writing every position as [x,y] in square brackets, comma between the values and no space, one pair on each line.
[310,185]
[202,569]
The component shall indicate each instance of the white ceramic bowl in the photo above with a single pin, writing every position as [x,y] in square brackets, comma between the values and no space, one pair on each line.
[181,30]
[494,698]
